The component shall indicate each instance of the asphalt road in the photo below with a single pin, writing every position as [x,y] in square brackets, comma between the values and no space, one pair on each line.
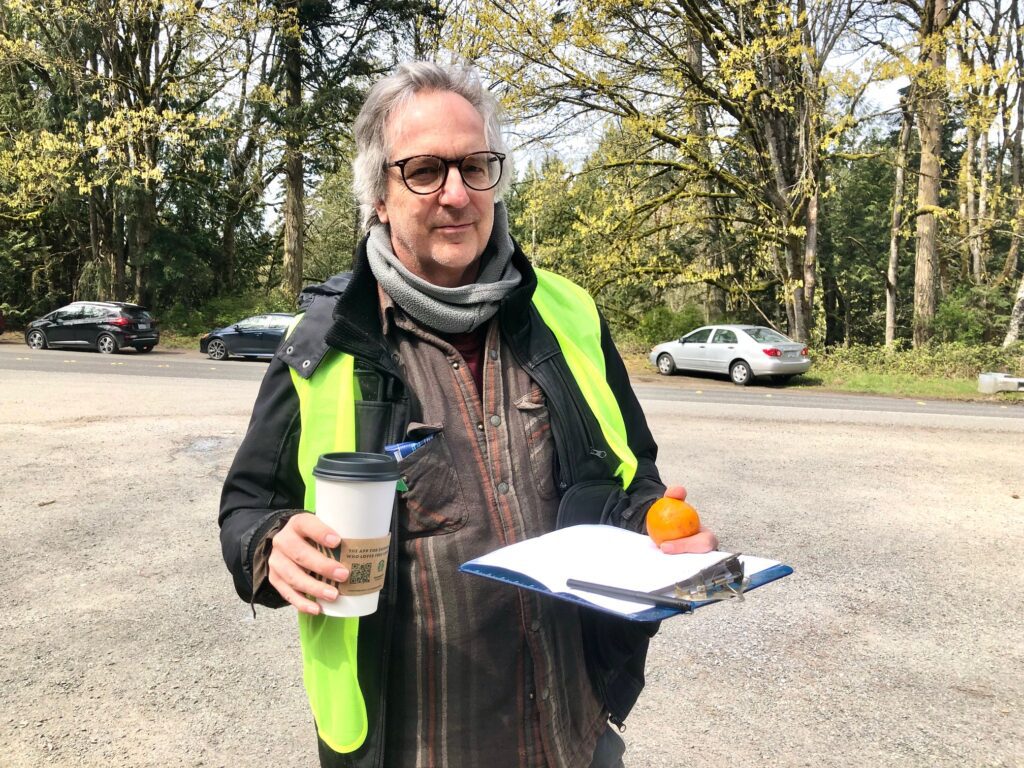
[896,642]
[176,363]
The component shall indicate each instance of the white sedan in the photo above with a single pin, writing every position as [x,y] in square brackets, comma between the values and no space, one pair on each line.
[742,351]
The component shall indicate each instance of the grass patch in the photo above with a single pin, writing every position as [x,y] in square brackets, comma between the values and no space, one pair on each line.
[177,340]
[893,384]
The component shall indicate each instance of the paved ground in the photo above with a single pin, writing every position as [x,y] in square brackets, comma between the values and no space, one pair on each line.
[897,642]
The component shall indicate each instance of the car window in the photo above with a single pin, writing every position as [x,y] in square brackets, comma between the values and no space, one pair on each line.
[250,323]
[697,336]
[136,313]
[279,321]
[72,313]
[722,336]
[97,312]
[765,335]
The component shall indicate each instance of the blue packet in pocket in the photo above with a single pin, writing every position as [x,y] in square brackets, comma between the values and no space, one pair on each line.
[404,450]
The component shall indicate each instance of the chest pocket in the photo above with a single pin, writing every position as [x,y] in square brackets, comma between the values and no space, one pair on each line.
[536,422]
[434,503]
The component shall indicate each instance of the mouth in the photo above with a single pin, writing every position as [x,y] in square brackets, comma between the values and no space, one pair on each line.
[454,227]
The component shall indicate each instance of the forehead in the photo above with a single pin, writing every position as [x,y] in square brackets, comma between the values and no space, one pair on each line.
[435,123]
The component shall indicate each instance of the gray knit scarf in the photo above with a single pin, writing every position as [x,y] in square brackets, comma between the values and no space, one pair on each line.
[448,310]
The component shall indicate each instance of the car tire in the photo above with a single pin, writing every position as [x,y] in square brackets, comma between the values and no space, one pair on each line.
[666,365]
[217,350]
[740,373]
[106,344]
[147,348]
[36,340]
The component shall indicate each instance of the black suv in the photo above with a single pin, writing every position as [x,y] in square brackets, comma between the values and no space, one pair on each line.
[106,326]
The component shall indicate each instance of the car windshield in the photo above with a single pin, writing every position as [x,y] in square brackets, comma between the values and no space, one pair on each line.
[765,335]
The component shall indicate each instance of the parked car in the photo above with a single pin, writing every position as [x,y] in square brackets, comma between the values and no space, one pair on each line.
[254,337]
[744,352]
[106,326]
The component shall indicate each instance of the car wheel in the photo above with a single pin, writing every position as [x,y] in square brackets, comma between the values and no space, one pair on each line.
[36,340]
[666,365]
[106,344]
[147,348]
[216,349]
[740,373]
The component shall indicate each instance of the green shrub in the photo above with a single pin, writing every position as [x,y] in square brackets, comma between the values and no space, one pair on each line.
[224,310]
[950,360]
[662,324]
[973,315]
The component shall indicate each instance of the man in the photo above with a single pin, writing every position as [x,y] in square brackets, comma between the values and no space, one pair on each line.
[511,373]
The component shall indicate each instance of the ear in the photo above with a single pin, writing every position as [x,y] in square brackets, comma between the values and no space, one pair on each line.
[382,211]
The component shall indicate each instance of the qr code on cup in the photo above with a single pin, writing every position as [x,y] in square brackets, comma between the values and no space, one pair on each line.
[359,573]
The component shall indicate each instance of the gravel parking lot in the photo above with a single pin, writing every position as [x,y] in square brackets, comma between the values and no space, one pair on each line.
[897,641]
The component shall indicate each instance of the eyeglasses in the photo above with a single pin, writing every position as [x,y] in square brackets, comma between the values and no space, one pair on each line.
[424,174]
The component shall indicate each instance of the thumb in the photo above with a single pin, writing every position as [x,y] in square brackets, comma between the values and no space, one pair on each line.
[675,492]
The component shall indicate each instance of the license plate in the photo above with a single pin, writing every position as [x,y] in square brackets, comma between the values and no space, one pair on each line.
[143,326]
[791,354]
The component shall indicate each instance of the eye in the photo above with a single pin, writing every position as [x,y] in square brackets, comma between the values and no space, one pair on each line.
[422,169]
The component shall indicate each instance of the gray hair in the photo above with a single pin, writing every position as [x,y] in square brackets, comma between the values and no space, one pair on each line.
[387,96]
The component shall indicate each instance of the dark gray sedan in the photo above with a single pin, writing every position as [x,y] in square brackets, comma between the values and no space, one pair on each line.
[253,338]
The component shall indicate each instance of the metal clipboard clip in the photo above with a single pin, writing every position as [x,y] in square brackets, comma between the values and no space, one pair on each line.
[723,580]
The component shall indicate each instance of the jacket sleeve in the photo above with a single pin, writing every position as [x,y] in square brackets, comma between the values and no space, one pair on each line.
[646,485]
[263,487]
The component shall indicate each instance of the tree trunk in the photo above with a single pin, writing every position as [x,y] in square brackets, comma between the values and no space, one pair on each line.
[899,185]
[1016,317]
[969,209]
[930,114]
[716,296]
[294,189]
[810,259]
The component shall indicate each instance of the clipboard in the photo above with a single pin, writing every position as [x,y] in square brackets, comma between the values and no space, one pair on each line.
[608,556]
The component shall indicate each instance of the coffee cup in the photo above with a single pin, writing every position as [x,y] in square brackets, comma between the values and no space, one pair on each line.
[355,495]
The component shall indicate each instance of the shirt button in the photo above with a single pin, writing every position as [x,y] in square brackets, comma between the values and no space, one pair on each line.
[494,354]
[502,488]
[535,625]
[495,421]
[480,426]
[455,365]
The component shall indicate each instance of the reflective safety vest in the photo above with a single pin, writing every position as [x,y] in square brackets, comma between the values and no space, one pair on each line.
[327,417]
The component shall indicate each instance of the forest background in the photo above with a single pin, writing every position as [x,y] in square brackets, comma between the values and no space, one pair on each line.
[685,161]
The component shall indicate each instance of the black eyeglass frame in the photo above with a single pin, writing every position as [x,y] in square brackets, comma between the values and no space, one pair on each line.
[457,162]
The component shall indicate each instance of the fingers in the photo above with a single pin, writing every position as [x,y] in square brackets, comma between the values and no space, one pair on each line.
[293,560]
[702,541]
[676,492]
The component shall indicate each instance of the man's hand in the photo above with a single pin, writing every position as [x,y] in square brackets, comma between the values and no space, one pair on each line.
[702,541]
[293,558]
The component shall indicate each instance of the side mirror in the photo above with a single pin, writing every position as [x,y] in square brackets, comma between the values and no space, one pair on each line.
[236,327]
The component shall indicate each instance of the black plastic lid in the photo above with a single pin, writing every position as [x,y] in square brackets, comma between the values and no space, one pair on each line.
[356,466]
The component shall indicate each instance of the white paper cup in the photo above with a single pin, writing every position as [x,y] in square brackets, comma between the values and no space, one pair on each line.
[355,494]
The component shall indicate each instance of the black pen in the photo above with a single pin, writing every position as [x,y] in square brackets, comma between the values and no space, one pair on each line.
[632,595]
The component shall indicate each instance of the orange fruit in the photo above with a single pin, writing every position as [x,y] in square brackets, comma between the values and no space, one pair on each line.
[670,519]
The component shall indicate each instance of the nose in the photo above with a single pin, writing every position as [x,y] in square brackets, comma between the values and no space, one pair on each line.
[454,192]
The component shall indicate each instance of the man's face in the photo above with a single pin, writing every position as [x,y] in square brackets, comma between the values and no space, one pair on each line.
[438,236]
